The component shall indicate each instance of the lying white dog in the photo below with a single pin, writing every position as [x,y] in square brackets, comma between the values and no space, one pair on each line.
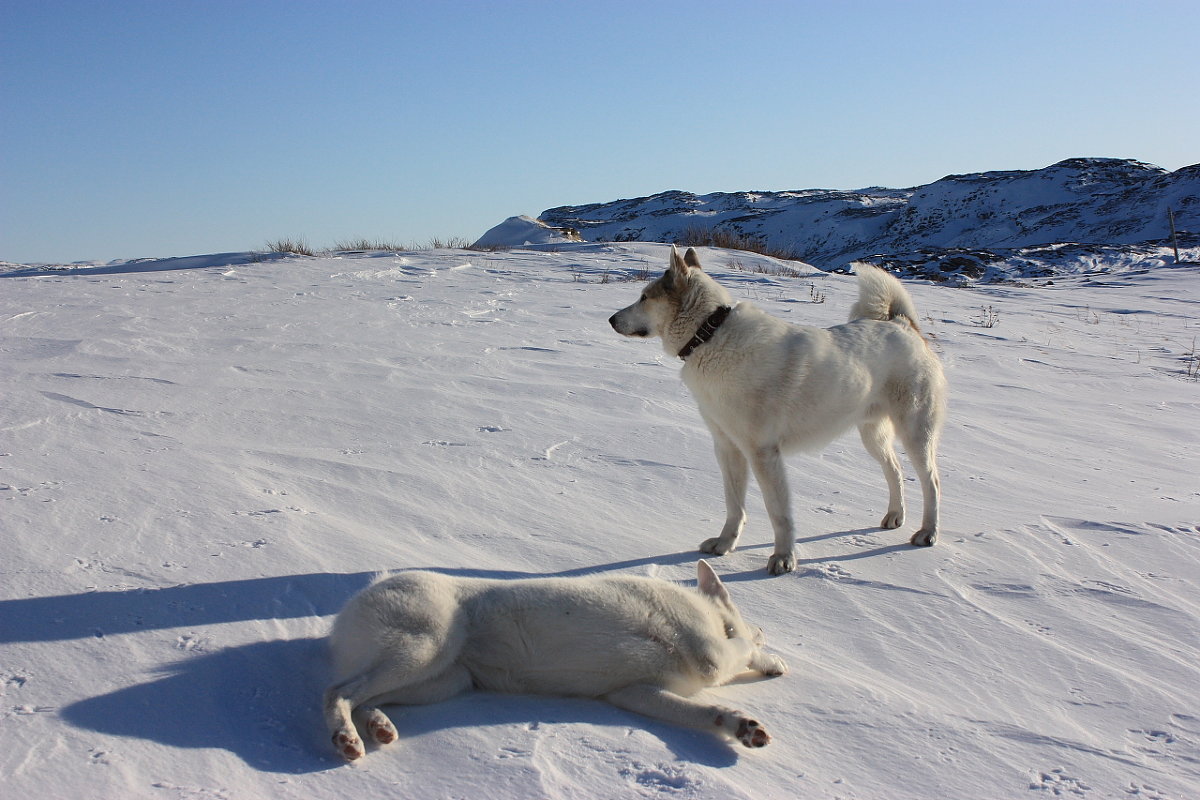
[640,643]
[765,387]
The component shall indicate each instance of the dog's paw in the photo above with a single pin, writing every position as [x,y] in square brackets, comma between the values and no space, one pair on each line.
[774,666]
[716,546]
[737,726]
[381,728]
[348,745]
[780,563]
[751,734]
[892,519]
[924,538]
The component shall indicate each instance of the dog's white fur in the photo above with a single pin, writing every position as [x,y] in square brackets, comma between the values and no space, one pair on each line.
[640,643]
[765,387]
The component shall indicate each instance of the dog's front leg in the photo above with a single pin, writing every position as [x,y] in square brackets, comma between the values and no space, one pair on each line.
[767,663]
[657,702]
[771,473]
[748,654]
[735,474]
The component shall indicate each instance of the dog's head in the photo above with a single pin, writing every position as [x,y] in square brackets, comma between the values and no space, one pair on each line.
[659,304]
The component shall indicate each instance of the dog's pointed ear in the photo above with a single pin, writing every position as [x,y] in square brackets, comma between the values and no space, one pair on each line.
[691,259]
[710,584]
[679,267]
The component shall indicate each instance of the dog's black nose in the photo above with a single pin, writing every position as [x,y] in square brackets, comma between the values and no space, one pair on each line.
[613,321]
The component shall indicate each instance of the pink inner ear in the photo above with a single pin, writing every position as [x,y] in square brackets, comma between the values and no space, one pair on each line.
[708,581]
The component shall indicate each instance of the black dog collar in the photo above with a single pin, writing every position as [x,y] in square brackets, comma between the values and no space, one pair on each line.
[706,330]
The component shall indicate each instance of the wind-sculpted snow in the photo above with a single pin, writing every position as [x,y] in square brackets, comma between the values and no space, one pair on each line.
[202,459]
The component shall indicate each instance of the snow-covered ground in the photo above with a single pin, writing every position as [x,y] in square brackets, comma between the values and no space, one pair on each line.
[202,459]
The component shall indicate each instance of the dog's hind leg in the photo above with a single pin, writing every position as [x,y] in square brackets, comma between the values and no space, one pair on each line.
[418,675]
[877,437]
[920,438]
[735,474]
[771,472]
[453,681]
[657,702]
[343,698]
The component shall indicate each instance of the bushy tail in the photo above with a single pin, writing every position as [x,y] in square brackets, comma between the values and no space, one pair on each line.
[880,296]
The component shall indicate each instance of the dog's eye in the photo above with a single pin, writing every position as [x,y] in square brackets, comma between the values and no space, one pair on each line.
[729,632]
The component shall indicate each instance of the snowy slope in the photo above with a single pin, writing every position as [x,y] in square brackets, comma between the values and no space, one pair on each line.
[1094,201]
[523,231]
[202,459]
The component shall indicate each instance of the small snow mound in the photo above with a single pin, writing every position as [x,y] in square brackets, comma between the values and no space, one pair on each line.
[521,231]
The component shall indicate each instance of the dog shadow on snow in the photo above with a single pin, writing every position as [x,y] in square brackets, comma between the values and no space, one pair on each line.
[261,701]
[807,567]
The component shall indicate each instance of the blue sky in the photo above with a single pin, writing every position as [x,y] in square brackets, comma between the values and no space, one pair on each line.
[178,127]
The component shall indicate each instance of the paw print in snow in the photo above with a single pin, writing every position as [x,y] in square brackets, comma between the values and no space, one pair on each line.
[1059,784]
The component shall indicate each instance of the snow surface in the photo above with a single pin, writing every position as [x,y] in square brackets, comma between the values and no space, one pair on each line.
[202,459]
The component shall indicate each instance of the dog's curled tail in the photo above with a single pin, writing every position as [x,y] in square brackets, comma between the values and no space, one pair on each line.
[882,297]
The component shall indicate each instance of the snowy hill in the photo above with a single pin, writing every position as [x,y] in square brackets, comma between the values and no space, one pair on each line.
[524,231]
[201,459]
[959,227]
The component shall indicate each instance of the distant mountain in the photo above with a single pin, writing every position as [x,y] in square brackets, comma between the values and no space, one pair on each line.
[958,227]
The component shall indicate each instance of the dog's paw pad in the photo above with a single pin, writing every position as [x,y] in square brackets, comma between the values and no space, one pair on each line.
[716,546]
[382,730]
[781,563]
[892,520]
[924,538]
[751,734]
[348,745]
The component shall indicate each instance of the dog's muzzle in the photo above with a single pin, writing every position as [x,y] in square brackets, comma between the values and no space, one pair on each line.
[615,321]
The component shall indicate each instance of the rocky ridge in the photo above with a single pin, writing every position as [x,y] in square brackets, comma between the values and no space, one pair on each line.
[1078,215]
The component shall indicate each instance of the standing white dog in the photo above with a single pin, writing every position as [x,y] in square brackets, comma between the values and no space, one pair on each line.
[641,644]
[766,387]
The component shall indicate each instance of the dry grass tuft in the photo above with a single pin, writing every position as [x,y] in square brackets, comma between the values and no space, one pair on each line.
[297,246]
[700,236]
